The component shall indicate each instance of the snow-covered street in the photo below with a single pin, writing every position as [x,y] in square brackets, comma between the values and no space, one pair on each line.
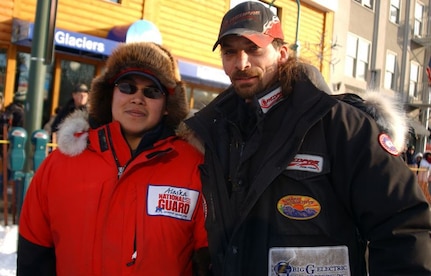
[8,243]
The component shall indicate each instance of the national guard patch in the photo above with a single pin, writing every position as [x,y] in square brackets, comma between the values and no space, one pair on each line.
[171,201]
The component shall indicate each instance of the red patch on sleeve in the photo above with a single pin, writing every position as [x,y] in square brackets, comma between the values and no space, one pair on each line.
[387,144]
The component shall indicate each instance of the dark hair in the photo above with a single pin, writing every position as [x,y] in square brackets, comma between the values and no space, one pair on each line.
[278,42]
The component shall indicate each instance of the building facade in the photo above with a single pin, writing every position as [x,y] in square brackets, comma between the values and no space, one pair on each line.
[87,31]
[385,45]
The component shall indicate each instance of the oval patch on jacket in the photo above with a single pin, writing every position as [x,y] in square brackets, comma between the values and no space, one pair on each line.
[298,207]
[387,144]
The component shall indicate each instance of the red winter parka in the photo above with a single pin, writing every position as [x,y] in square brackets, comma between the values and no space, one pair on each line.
[105,212]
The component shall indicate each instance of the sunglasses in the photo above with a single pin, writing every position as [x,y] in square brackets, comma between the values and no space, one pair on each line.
[149,92]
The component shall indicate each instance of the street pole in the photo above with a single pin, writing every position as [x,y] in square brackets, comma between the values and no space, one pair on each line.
[298,17]
[33,108]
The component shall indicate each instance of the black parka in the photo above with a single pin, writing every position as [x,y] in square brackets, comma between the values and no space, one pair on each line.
[363,191]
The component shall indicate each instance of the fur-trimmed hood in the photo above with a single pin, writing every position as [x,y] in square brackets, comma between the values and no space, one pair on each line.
[146,57]
[385,110]
[72,135]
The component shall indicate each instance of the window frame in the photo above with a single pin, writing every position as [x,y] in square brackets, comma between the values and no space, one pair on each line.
[390,71]
[394,8]
[357,57]
[418,19]
[414,79]
[366,3]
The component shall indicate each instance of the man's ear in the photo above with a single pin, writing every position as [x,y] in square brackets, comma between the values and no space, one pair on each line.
[284,53]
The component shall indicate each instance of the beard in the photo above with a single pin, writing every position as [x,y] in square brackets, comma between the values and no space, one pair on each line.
[249,90]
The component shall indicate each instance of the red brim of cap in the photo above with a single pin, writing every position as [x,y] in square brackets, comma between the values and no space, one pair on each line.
[261,40]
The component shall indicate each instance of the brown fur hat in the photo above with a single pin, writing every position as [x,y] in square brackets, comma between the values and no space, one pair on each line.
[144,58]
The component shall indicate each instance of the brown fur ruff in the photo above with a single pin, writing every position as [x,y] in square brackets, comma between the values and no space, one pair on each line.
[147,56]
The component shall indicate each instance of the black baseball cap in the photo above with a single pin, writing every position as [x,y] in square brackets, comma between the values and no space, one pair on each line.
[253,21]
[81,88]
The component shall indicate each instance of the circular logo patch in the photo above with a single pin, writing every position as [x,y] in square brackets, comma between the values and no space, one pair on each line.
[298,207]
[387,144]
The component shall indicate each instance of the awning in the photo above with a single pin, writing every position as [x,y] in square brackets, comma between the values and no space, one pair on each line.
[419,128]
[201,74]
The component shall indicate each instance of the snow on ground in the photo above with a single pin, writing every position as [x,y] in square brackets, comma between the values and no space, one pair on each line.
[8,243]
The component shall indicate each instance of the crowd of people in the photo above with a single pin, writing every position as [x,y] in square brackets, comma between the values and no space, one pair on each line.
[269,177]
[421,165]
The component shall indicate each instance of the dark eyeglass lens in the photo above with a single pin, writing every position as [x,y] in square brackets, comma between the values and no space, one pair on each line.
[152,93]
[149,92]
[126,88]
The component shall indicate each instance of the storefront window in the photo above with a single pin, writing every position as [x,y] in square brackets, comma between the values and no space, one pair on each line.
[199,97]
[2,70]
[22,71]
[22,82]
[73,73]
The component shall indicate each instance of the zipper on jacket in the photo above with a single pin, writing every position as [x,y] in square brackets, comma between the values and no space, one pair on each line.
[120,170]
[135,253]
[133,261]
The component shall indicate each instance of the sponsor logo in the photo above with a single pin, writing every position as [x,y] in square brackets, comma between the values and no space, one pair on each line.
[171,202]
[306,162]
[283,268]
[298,207]
[387,144]
[268,25]
[306,261]
[270,99]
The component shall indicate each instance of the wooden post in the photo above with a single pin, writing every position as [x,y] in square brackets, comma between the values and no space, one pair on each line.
[5,173]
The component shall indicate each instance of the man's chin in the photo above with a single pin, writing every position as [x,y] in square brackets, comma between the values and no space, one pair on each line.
[245,92]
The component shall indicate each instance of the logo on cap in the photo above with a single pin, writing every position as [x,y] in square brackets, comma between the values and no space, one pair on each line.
[253,21]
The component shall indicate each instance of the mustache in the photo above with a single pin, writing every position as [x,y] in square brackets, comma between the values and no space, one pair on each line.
[249,73]
[245,74]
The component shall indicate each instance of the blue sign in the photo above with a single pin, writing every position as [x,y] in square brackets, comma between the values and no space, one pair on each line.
[23,31]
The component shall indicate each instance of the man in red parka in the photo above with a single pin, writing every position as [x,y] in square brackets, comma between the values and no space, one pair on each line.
[122,198]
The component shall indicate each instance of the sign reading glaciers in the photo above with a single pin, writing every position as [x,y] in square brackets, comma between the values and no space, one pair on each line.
[79,42]
[84,42]
[23,34]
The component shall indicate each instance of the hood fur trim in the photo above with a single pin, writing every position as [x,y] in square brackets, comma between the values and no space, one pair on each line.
[145,56]
[389,115]
[72,135]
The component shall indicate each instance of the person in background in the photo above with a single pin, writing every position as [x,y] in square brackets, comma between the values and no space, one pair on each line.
[48,125]
[410,153]
[424,174]
[79,100]
[14,112]
[123,198]
[418,159]
[292,174]
[1,102]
